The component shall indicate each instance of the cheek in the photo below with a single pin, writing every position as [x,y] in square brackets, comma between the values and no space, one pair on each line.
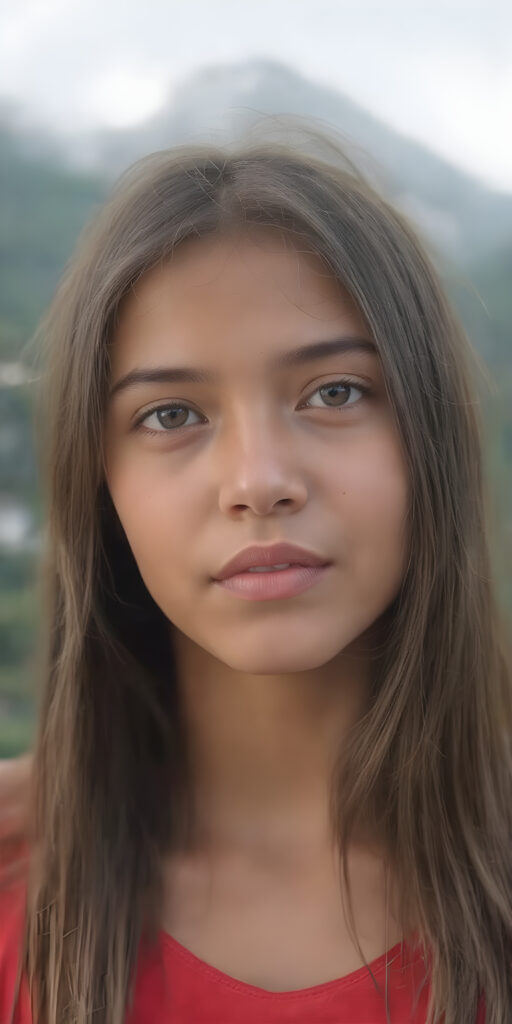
[373,496]
[156,512]
[377,490]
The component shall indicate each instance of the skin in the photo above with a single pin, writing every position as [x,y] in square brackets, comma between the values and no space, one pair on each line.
[269,688]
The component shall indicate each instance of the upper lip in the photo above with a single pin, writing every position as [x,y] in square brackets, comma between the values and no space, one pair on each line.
[277,554]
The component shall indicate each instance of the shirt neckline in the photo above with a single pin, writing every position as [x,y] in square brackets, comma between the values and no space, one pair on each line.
[377,966]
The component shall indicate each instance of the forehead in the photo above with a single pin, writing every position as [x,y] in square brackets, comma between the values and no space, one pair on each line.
[253,287]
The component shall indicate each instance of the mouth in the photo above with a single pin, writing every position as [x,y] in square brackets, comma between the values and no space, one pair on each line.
[279,557]
[273,582]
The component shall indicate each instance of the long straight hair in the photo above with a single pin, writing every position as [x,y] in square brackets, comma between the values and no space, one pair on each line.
[429,763]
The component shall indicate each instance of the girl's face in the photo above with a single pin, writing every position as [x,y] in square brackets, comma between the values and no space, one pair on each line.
[259,450]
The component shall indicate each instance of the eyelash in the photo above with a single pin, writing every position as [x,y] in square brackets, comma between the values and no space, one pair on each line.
[346,381]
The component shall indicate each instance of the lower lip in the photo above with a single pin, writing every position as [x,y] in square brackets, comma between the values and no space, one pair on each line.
[270,586]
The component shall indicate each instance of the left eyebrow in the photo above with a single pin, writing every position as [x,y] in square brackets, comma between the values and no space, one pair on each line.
[285,360]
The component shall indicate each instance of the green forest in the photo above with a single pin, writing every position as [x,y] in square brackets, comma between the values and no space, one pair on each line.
[44,202]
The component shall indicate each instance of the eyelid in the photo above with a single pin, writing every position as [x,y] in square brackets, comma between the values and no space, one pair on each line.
[171,403]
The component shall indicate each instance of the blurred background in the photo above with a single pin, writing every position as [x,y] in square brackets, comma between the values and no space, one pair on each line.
[421,95]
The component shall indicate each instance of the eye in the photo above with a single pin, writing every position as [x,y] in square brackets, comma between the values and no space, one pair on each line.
[335,393]
[166,418]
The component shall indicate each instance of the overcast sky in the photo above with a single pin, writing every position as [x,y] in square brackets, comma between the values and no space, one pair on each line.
[439,71]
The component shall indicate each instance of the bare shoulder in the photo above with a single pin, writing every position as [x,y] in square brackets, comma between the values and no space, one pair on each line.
[15,773]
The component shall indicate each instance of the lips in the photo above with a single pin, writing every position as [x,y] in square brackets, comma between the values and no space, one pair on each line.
[277,554]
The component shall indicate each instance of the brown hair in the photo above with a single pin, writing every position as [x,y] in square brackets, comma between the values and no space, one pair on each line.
[429,764]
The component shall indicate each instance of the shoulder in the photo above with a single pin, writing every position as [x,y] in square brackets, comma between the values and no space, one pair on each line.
[12,917]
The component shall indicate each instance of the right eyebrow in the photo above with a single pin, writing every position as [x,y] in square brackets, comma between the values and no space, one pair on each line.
[285,360]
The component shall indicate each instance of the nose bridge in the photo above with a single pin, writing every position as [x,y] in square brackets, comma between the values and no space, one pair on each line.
[254,430]
[259,463]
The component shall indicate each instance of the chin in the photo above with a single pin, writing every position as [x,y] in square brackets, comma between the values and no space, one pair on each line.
[292,657]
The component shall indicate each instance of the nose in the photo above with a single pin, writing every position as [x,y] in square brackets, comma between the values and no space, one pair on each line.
[260,470]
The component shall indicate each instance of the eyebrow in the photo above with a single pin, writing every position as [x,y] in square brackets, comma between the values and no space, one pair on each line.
[285,360]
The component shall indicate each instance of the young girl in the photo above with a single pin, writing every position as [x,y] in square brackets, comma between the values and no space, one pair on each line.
[272,773]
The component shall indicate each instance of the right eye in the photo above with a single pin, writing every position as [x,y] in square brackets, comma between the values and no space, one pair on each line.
[166,418]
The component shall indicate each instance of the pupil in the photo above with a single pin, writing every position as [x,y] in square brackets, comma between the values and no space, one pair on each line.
[167,417]
[333,390]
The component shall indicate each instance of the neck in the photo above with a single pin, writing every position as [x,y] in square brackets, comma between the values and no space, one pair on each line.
[262,748]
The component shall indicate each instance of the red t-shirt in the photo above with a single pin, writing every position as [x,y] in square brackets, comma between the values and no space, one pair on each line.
[175,987]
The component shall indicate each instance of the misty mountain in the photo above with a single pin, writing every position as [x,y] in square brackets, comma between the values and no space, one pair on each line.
[460,216]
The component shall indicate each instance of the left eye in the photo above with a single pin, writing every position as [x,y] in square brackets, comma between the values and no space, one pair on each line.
[336,389]
[173,417]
